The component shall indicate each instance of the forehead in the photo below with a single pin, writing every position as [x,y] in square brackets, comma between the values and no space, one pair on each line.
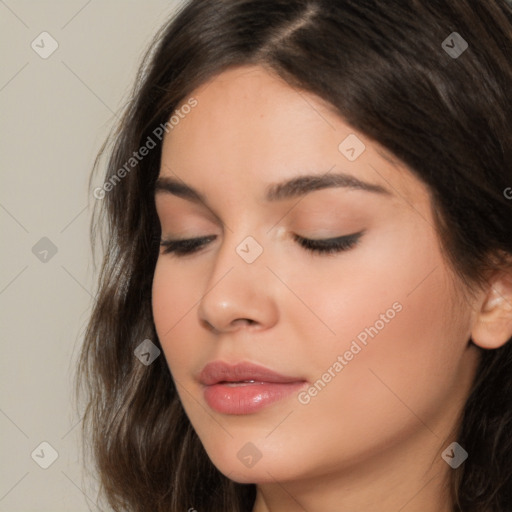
[251,125]
[251,106]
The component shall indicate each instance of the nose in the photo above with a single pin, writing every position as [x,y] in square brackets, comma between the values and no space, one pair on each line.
[238,293]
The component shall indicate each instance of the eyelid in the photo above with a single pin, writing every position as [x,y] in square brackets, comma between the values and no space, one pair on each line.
[329,246]
[182,245]
[322,246]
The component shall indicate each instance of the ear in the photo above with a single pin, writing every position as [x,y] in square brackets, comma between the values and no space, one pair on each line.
[493,324]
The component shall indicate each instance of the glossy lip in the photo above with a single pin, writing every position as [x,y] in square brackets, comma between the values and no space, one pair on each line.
[218,371]
[244,388]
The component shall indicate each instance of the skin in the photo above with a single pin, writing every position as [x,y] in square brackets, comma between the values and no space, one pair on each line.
[372,438]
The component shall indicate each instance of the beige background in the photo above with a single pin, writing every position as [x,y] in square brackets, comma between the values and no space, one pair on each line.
[55,113]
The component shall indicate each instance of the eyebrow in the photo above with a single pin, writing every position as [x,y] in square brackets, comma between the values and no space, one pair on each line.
[294,187]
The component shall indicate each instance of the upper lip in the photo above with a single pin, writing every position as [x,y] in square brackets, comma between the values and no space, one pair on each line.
[219,371]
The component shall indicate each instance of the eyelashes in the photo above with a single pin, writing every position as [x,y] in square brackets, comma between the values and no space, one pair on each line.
[329,245]
[324,246]
[182,247]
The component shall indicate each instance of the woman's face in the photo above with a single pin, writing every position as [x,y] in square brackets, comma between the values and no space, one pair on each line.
[371,342]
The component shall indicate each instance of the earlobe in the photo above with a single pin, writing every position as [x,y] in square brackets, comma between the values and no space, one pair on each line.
[493,324]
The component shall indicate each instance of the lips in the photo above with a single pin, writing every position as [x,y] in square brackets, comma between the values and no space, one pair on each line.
[216,372]
[245,387]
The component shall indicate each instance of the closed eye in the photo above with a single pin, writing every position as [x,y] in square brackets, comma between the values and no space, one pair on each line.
[329,245]
[322,246]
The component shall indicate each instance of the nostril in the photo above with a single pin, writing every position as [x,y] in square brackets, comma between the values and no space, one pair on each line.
[245,320]
[234,323]
[208,325]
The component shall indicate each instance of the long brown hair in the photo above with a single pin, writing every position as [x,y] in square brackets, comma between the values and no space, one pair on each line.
[383,67]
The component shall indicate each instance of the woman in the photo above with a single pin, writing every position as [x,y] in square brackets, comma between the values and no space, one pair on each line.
[326,324]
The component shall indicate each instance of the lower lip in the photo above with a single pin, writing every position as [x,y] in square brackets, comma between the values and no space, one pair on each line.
[246,398]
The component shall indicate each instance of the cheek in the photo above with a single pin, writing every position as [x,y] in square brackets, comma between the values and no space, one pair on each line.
[175,297]
[369,293]
[394,324]
[400,370]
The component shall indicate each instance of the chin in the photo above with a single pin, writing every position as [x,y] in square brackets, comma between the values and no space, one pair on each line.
[246,464]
